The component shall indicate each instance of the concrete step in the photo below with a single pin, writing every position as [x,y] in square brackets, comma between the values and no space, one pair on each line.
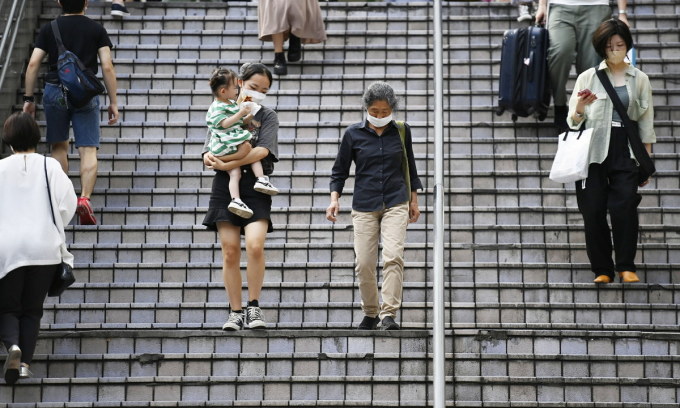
[339,291]
[288,314]
[314,272]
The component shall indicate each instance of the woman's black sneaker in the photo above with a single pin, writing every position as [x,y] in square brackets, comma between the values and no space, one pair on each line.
[280,67]
[388,323]
[369,323]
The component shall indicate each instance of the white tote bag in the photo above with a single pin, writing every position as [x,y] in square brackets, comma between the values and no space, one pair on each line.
[571,161]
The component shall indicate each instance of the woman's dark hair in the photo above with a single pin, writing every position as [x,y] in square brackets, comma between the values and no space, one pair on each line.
[72,6]
[606,31]
[222,77]
[380,91]
[253,68]
[21,132]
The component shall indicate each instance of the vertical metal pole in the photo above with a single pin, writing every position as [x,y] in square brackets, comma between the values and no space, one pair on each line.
[439,379]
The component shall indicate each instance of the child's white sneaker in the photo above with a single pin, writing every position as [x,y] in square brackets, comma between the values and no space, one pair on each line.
[240,208]
[262,185]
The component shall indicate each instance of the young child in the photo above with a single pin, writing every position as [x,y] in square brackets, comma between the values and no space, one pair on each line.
[225,118]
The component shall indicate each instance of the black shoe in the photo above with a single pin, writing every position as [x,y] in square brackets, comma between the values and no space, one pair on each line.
[294,49]
[369,323]
[280,67]
[388,323]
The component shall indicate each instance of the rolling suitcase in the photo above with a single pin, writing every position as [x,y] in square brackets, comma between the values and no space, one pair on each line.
[524,86]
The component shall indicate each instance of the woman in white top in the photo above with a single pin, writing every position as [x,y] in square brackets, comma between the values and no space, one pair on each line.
[31,246]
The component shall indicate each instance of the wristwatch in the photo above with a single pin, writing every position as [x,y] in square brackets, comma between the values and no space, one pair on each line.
[30,99]
[623,11]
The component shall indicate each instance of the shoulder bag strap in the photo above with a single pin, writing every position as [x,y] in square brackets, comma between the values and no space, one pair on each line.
[636,144]
[49,194]
[618,105]
[57,37]
[407,174]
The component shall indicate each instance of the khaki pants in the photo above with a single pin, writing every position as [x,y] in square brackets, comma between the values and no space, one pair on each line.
[571,30]
[390,225]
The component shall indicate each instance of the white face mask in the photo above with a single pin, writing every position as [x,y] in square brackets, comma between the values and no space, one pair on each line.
[378,122]
[616,57]
[255,96]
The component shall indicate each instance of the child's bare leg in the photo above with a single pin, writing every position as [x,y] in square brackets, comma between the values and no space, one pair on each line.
[257,169]
[262,185]
[234,178]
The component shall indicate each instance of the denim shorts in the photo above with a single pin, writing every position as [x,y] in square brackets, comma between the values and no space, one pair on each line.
[59,114]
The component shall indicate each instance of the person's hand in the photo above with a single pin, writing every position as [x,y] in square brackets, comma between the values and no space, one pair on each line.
[246,108]
[413,211]
[213,162]
[29,107]
[113,114]
[540,15]
[624,18]
[585,98]
[644,183]
[332,211]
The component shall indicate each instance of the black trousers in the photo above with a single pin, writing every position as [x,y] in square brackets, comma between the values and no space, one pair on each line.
[22,294]
[611,186]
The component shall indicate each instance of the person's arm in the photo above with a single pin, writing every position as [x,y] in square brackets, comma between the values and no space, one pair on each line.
[413,210]
[256,154]
[234,119]
[541,12]
[109,74]
[32,77]
[339,174]
[623,4]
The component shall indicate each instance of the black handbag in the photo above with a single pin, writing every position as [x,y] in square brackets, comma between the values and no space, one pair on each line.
[63,277]
[646,168]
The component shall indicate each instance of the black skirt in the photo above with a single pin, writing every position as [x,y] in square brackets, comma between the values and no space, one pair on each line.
[260,203]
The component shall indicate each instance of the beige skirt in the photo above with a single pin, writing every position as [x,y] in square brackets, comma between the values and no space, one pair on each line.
[300,17]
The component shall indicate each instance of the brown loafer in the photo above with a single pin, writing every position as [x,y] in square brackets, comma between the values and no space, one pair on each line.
[628,277]
[602,279]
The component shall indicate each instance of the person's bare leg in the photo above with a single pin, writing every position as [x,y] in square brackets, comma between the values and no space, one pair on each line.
[256,233]
[60,153]
[234,178]
[88,170]
[277,39]
[258,171]
[230,240]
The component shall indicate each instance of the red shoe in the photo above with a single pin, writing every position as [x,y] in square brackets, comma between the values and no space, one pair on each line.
[84,210]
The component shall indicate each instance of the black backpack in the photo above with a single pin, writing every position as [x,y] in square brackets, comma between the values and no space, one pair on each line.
[78,82]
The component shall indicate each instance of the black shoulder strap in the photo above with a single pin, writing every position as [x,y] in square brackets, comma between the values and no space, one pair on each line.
[57,37]
[49,193]
[618,105]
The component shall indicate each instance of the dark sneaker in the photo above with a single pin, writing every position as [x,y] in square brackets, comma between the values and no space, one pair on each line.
[388,323]
[234,322]
[280,67]
[12,364]
[294,49]
[369,323]
[255,318]
[85,212]
[119,10]
[264,186]
[240,208]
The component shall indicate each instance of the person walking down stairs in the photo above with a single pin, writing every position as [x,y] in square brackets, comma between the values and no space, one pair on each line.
[88,40]
[29,259]
[614,174]
[298,21]
[385,201]
[264,127]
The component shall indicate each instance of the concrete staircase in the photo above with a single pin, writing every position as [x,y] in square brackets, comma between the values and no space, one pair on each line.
[526,328]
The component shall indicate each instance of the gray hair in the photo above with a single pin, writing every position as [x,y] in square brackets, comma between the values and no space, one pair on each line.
[380,91]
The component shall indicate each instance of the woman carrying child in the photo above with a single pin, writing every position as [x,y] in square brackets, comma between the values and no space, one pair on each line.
[255,81]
